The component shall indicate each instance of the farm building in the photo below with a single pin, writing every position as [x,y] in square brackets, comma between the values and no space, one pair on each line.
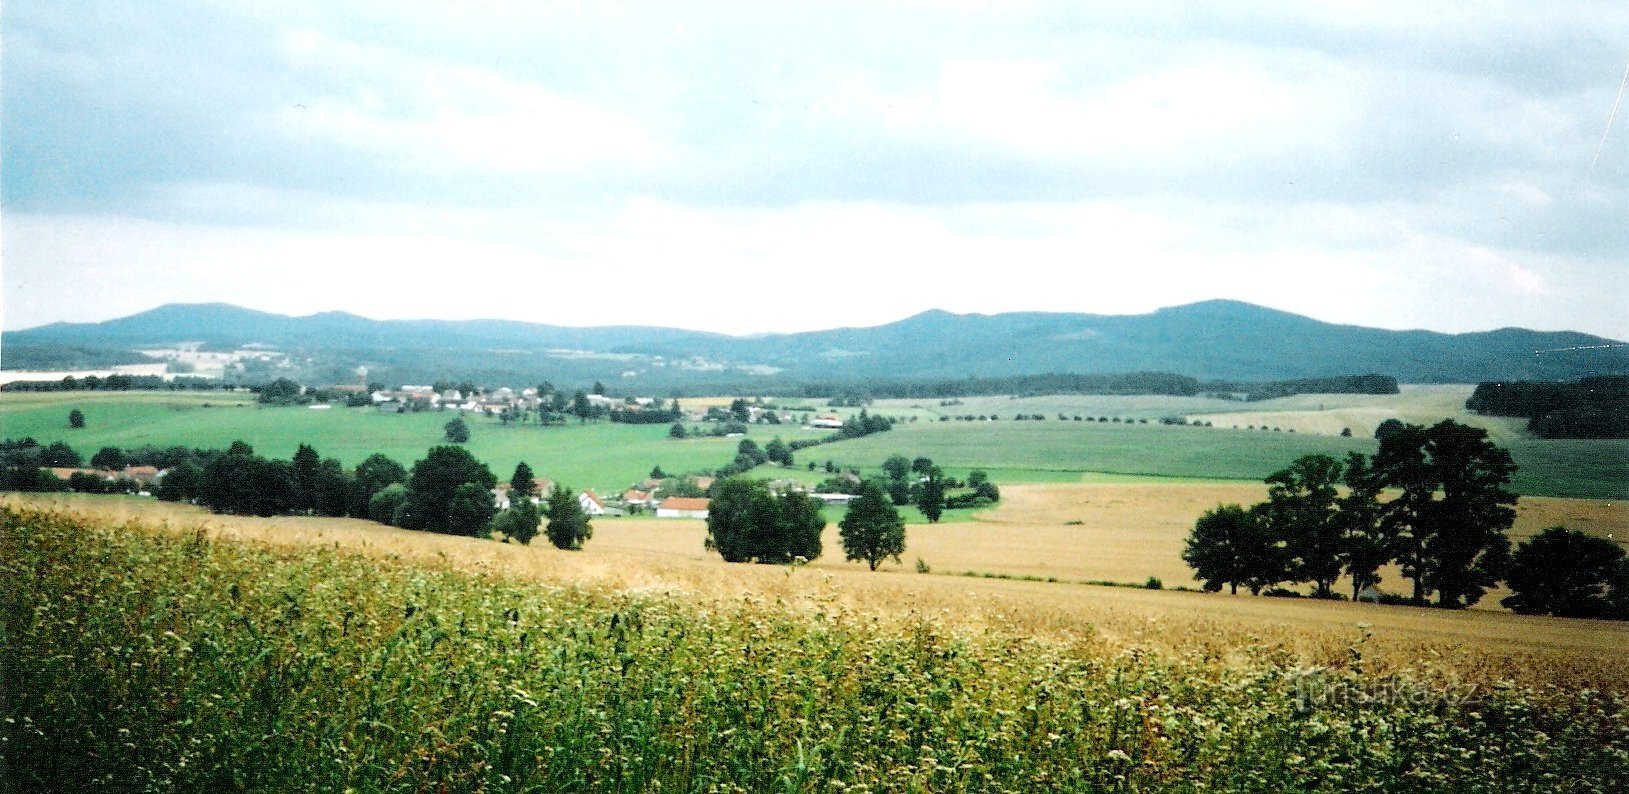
[591,503]
[828,421]
[682,507]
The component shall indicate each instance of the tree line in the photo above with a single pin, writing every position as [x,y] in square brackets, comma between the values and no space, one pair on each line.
[1166,383]
[448,491]
[118,383]
[1444,525]
[1590,408]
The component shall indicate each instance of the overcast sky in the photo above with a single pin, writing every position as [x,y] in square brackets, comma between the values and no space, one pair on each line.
[746,168]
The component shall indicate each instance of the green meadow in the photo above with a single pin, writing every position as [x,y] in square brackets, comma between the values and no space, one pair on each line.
[599,455]
[611,456]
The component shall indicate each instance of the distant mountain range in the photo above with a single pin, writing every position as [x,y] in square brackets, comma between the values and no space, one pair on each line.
[1212,340]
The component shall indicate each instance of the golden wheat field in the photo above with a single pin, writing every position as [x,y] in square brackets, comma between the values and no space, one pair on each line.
[1128,532]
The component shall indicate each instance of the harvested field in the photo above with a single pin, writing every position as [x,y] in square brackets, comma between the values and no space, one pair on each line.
[666,556]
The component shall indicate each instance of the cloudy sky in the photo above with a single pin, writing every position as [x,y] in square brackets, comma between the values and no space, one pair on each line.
[748,167]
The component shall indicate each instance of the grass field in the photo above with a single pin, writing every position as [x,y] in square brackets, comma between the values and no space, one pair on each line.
[610,457]
[605,456]
[164,658]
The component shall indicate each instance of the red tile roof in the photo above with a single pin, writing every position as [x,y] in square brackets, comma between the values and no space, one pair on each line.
[684,503]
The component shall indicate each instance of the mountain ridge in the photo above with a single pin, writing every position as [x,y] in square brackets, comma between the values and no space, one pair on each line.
[1215,339]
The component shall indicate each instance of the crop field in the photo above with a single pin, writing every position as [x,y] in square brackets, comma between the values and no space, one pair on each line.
[300,653]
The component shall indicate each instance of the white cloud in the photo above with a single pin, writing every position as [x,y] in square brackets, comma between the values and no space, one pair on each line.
[440,116]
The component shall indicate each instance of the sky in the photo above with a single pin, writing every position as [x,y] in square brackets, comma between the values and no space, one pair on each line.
[764,167]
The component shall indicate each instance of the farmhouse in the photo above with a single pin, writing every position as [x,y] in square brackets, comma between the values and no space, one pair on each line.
[636,498]
[591,503]
[682,507]
[828,421]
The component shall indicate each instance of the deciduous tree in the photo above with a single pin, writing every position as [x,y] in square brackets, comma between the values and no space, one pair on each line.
[457,431]
[1301,509]
[872,530]
[434,482]
[568,526]
[746,522]
[1231,546]
[1453,510]
[1567,573]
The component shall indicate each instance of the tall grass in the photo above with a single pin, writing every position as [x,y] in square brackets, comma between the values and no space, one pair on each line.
[137,659]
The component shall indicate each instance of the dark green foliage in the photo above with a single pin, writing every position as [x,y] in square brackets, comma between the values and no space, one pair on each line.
[568,526]
[1595,407]
[1230,546]
[776,451]
[383,505]
[59,454]
[304,467]
[750,449]
[896,467]
[370,477]
[181,483]
[281,392]
[932,499]
[457,431]
[242,483]
[519,523]
[76,419]
[748,523]
[523,483]
[872,530]
[1368,543]
[677,431]
[433,483]
[110,459]
[470,510]
[1569,574]
[1387,428]
[330,490]
[1301,509]
[1454,545]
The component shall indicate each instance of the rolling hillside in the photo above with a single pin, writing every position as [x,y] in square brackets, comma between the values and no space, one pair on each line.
[1222,340]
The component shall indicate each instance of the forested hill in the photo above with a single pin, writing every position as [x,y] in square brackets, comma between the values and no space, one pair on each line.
[1213,340]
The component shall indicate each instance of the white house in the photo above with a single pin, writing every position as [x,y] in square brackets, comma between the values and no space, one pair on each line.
[591,503]
[682,507]
[829,421]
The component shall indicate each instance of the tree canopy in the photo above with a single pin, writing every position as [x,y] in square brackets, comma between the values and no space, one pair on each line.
[568,525]
[746,522]
[872,529]
[1232,546]
[1570,574]
[434,482]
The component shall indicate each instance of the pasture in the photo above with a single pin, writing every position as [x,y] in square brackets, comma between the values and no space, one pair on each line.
[601,455]
[609,457]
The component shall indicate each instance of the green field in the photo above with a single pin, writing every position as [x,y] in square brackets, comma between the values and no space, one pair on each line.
[610,456]
[1068,451]
[604,456]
